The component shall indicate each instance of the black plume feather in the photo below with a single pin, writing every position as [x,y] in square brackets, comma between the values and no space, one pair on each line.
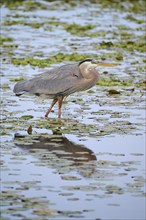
[86,60]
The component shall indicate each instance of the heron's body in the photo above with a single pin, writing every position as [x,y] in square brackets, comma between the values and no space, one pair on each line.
[60,82]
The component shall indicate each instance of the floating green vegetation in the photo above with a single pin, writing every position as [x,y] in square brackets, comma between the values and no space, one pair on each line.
[4,86]
[117,56]
[29,5]
[141,84]
[26,117]
[132,45]
[125,35]
[127,45]
[16,79]
[13,22]
[69,57]
[12,4]
[123,28]
[10,53]
[132,18]
[47,62]
[96,34]
[109,4]
[78,29]
[74,29]
[113,82]
[17,22]
[21,202]
[10,46]
[133,6]
[104,44]
[118,82]
[33,5]
[114,189]
[53,22]
[137,6]
[5,39]
[35,25]
[44,212]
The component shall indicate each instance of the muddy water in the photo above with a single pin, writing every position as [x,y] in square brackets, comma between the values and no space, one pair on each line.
[92,164]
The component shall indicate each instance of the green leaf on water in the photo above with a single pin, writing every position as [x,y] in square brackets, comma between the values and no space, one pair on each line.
[27,117]
[70,178]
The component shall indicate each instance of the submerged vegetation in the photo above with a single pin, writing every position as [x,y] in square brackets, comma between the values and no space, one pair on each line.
[5,39]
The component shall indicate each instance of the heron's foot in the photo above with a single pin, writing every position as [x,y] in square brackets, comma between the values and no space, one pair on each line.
[46,115]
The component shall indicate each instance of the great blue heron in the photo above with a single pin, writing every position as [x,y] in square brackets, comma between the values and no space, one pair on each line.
[60,82]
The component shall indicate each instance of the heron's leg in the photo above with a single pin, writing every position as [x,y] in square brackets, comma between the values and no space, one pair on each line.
[53,103]
[60,101]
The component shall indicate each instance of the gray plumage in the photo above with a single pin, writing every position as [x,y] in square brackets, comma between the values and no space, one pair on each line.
[51,82]
[60,82]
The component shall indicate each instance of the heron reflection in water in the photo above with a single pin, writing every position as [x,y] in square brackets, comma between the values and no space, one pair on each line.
[59,152]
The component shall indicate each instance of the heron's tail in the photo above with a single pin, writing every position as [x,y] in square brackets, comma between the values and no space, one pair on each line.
[21,87]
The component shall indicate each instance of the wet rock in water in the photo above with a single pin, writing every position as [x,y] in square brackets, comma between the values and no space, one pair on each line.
[113,92]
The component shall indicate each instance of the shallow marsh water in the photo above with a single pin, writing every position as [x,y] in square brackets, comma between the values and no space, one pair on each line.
[92,164]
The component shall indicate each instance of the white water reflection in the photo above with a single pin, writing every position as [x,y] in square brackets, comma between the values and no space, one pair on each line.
[119,161]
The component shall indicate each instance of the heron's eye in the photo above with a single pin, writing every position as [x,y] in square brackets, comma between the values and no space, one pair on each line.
[75,75]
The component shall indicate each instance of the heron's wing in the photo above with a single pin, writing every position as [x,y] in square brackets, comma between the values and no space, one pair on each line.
[60,72]
[59,81]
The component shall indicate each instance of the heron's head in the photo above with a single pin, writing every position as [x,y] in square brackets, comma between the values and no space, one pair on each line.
[88,68]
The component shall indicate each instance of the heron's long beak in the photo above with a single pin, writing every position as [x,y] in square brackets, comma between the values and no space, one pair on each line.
[105,64]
